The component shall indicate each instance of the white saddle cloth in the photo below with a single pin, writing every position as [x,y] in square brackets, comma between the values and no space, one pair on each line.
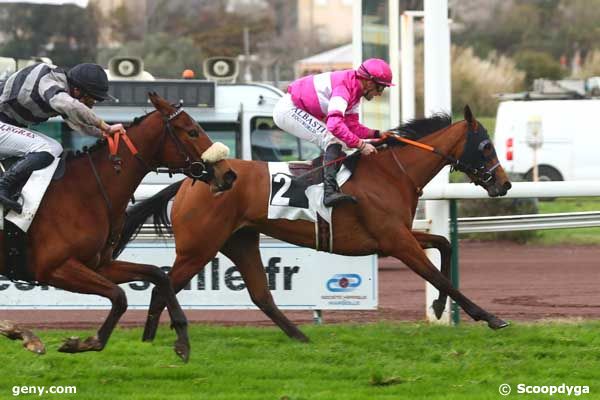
[290,200]
[33,193]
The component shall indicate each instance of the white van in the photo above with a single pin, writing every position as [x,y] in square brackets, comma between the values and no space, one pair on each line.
[569,138]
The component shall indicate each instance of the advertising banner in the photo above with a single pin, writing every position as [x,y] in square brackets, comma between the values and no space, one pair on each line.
[299,278]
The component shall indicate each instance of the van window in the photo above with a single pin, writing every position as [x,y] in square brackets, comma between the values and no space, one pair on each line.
[269,143]
[226,133]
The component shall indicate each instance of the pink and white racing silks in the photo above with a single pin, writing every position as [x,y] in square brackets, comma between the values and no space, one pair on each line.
[333,97]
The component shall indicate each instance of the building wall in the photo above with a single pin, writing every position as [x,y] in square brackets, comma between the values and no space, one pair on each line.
[326,21]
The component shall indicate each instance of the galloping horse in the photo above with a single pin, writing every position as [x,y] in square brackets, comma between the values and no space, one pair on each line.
[72,237]
[387,186]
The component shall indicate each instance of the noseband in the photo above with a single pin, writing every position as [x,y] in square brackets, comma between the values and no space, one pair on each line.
[197,169]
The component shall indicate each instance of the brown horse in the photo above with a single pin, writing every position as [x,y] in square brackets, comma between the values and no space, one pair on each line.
[387,186]
[72,237]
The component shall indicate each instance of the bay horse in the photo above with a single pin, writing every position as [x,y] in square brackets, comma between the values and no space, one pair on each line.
[387,186]
[72,237]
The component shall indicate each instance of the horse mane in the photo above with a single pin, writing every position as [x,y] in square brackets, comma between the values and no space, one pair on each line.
[138,120]
[416,129]
[72,155]
[101,142]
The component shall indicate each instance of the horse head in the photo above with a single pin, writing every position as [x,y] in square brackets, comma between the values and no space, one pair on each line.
[187,147]
[479,160]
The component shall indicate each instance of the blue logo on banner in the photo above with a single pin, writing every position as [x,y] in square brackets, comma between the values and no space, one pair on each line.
[344,282]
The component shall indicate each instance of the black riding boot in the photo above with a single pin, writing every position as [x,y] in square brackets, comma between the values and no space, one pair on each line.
[17,175]
[332,194]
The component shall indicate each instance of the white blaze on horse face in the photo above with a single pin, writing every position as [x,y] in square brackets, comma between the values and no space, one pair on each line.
[215,153]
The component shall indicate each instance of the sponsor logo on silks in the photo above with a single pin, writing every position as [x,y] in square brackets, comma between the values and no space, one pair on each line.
[344,282]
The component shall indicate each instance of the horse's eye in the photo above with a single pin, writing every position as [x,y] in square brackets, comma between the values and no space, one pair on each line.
[485,146]
[193,133]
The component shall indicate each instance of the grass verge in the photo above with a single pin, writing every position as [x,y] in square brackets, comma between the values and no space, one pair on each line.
[371,361]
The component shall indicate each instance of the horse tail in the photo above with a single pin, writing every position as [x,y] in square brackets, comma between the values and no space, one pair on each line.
[137,214]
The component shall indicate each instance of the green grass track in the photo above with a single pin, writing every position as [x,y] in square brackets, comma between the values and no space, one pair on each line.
[371,361]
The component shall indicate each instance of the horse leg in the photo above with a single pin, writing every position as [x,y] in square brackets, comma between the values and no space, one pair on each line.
[406,248]
[30,341]
[123,272]
[76,277]
[184,269]
[182,272]
[429,241]
[243,249]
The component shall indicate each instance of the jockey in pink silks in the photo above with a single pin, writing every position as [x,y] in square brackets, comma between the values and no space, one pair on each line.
[323,109]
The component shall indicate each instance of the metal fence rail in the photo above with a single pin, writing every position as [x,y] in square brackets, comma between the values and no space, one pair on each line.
[505,223]
[526,222]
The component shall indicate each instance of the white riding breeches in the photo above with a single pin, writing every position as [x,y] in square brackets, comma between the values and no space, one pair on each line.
[18,142]
[301,124]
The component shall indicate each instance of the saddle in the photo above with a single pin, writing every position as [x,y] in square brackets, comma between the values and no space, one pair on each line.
[305,174]
[15,240]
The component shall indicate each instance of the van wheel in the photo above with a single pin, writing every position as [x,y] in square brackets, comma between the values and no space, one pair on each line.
[545,174]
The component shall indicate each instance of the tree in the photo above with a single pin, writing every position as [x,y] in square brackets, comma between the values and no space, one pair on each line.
[125,26]
[67,34]
[163,55]
[537,64]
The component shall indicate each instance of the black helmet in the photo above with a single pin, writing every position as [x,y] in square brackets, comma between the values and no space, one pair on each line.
[92,79]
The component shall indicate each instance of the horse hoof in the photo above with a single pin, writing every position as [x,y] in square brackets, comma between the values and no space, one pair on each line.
[70,345]
[75,345]
[301,337]
[149,331]
[438,308]
[147,337]
[182,349]
[35,346]
[496,323]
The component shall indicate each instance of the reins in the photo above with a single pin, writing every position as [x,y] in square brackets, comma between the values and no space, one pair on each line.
[482,174]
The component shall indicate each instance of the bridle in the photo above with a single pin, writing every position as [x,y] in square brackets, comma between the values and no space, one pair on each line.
[195,169]
[477,145]
[474,153]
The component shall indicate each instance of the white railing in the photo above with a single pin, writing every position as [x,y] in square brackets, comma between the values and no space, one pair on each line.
[458,191]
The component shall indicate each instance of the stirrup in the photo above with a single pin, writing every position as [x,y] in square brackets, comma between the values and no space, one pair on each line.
[10,204]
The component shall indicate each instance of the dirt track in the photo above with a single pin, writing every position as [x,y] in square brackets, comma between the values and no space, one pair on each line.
[515,282]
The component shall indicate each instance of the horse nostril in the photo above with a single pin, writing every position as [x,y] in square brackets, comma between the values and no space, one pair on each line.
[507,186]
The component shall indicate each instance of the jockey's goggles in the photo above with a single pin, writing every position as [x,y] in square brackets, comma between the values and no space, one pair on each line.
[379,85]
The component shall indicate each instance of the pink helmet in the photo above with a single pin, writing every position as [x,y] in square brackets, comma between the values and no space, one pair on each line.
[376,70]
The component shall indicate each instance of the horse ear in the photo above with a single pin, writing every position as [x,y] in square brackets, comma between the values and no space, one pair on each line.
[153,98]
[470,118]
[159,103]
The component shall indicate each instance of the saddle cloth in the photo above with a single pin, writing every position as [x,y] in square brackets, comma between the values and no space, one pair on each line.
[293,198]
[33,192]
